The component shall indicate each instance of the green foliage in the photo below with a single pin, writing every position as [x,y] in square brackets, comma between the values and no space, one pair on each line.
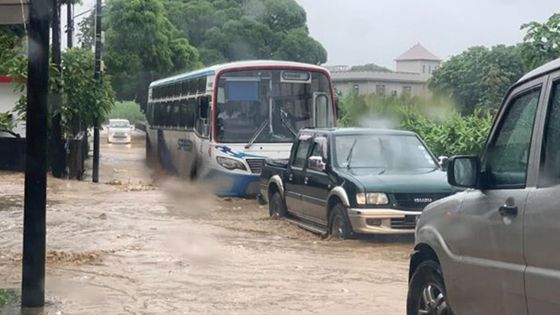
[458,134]
[247,29]
[542,42]
[149,39]
[11,47]
[297,45]
[142,45]
[478,77]
[86,34]
[370,67]
[127,110]
[445,131]
[6,122]
[8,297]
[82,100]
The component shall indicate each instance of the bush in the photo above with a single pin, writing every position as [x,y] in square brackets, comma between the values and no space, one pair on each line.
[445,131]
[8,297]
[127,110]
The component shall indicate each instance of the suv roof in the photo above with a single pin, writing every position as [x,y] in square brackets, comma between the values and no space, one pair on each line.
[542,70]
[359,131]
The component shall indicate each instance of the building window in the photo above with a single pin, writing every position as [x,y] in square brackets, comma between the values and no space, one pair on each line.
[423,68]
[380,90]
[356,88]
[394,93]
[407,90]
[430,69]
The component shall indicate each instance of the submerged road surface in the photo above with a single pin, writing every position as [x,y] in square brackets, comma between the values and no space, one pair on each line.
[143,243]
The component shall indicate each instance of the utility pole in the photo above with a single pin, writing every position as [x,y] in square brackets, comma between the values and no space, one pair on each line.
[34,212]
[69,25]
[58,162]
[97,77]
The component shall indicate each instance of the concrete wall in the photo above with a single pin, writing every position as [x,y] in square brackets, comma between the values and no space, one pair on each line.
[391,88]
[424,68]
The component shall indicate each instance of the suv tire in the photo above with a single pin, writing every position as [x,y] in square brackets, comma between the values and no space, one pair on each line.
[339,225]
[426,292]
[276,206]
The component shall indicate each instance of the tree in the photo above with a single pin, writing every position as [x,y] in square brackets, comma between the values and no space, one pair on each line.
[86,36]
[142,45]
[245,29]
[297,45]
[11,46]
[82,99]
[542,42]
[478,77]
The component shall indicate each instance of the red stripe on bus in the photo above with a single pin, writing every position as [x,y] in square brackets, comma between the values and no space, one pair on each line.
[5,79]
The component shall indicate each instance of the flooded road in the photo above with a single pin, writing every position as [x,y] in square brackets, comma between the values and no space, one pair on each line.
[142,243]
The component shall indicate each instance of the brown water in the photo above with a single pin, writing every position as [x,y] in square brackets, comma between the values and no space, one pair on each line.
[143,243]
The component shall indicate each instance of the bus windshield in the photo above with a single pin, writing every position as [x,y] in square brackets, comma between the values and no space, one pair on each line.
[267,106]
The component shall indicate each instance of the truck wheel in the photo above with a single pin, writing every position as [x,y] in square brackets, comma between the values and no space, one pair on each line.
[426,293]
[276,206]
[340,227]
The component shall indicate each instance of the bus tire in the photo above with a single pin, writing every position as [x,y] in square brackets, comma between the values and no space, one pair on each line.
[194,170]
[150,160]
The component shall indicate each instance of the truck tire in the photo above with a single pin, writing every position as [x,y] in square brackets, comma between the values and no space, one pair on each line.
[426,292]
[276,206]
[150,160]
[339,225]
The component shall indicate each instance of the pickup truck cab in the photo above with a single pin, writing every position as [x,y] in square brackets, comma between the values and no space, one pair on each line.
[347,181]
[494,248]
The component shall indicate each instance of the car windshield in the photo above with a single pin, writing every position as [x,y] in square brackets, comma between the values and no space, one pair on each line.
[271,105]
[119,124]
[384,152]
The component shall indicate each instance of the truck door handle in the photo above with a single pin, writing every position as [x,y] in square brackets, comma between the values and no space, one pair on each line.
[509,211]
[291,177]
[306,180]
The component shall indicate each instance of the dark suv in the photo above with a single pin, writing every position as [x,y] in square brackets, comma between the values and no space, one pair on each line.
[346,181]
[495,248]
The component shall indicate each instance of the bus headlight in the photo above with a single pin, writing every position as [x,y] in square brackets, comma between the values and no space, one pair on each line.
[230,164]
[377,199]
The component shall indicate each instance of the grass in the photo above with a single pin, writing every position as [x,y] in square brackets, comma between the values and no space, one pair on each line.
[8,297]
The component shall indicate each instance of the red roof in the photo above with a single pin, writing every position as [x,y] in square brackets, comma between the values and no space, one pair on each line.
[5,79]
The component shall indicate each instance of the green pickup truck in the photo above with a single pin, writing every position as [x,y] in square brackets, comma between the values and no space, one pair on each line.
[345,182]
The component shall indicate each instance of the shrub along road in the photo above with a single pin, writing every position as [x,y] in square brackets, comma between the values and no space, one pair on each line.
[143,243]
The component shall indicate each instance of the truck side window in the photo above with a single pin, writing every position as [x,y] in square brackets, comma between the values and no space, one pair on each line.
[316,150]
[508,154]
[301,154]
[550,156]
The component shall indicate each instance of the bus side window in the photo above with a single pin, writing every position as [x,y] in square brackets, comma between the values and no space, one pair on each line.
[204,102]
[177,114]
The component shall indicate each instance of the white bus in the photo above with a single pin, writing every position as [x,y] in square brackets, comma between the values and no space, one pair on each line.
[222,122]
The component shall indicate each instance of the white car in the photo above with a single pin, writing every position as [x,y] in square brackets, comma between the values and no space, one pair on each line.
[119,131]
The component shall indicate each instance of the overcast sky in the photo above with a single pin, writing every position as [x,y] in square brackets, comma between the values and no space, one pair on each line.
[378,31]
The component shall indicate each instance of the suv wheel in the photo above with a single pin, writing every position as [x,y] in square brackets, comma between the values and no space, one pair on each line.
[340,227]
[276,207]
[426,294]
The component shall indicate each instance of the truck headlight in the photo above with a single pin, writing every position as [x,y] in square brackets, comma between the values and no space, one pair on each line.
[230,164]
[377,199]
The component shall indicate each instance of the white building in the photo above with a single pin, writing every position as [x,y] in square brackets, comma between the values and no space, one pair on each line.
[413,70]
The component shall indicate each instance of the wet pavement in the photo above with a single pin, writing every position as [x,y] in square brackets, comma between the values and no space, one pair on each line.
[140,242]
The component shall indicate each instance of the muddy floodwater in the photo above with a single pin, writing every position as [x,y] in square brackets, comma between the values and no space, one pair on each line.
[140,242]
